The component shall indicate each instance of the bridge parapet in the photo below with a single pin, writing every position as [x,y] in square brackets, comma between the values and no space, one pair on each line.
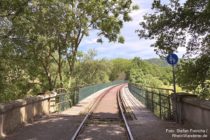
[192,110]
[182,107]
[23,111]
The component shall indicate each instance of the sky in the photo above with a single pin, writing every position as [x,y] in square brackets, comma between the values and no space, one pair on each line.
[133,46]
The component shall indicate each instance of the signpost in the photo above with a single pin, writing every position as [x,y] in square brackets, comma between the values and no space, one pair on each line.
[172,59]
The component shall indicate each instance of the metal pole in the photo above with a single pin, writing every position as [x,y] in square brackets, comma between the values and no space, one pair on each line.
[174,84]
[174,80]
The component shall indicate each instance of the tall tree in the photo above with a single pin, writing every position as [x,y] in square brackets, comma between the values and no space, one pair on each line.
[178,25]
[51,31]
[194,72]
[186,25]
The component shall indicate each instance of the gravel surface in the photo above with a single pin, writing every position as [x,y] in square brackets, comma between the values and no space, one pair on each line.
[57,127]
[147,126]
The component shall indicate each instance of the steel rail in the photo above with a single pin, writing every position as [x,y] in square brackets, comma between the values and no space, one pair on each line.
[119,99]
[99,98]
[132,102]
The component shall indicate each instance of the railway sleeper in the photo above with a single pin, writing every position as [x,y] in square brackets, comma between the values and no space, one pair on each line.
[104,121]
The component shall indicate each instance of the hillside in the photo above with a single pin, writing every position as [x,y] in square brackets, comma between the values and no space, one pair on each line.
[158,61]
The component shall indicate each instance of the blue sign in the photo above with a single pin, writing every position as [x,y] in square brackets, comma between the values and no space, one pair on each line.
[172,59]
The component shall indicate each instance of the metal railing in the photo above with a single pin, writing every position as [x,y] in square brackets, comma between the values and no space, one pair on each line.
[67,98]
[88,90]
[156,99]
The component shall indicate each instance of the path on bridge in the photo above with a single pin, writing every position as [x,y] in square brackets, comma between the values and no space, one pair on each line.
[62,126]
[145,125]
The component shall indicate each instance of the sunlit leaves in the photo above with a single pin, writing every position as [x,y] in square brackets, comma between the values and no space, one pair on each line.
[43,36]
[178,25]
[194,72]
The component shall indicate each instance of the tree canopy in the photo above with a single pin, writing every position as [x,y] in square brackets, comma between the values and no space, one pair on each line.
[149,74]
[178,24]
[194,75]
[174,24]
[39,40]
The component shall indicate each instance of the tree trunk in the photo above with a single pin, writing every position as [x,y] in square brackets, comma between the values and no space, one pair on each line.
[60,67]
[48,75]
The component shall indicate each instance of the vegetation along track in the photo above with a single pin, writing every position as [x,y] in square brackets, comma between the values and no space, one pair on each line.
[105,119]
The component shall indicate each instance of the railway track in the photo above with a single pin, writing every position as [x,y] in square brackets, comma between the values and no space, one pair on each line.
[134,102]
[105,118]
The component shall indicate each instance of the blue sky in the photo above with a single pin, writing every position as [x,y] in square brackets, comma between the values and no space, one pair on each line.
[133,46]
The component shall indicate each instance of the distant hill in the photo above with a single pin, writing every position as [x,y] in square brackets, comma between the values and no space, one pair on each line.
[158,61]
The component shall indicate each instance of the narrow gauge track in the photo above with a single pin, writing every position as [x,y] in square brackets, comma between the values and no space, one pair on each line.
[105,118]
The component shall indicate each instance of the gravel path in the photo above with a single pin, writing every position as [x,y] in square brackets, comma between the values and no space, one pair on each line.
[146,126]
[58,127]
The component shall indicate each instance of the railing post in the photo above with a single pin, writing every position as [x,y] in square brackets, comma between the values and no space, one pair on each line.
[72,96]
[52,103]
[152,102]
[160,105]
[146,95]
[76,95]
[169,107]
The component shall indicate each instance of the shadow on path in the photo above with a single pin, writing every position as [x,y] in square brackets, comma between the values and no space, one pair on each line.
[53,127]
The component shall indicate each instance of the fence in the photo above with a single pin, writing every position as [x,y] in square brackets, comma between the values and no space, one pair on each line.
[156,99]
[88,90]
[66,98]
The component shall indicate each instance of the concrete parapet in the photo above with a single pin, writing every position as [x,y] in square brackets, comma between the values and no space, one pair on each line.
[22,111]
[191,110]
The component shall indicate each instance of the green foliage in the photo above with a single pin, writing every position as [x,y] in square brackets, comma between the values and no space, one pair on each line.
[193,74]
[14,81]
[120,69]
[136,76]
[157,61]
[175,24]
[93,72]
[149,74]
[90,71]
[204,90]
[39,41]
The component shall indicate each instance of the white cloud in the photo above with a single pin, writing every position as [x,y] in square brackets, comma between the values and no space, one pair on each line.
[137,13]
[133,46]
[90,41]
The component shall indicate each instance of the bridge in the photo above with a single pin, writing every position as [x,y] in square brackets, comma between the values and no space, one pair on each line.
[115,110]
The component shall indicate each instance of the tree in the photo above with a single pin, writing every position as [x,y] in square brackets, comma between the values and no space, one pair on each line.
[186,25]
[194,72]
[39,40]
[50,32]
[136,76]
[91,71]
[120,69]
[149,74]
[205,90]
[178,25]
